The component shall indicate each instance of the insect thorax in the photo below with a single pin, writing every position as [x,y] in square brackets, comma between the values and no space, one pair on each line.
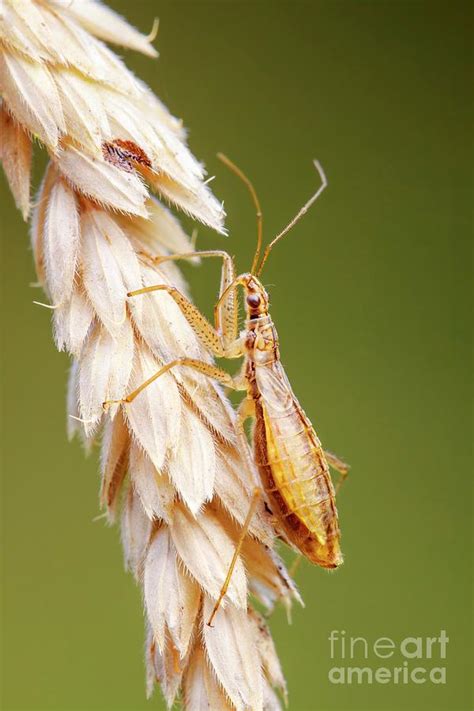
[261,340]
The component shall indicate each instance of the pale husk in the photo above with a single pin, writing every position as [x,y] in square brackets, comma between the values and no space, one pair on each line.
[172,468]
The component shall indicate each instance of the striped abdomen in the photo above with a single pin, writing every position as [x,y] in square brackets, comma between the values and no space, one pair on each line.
[293,468]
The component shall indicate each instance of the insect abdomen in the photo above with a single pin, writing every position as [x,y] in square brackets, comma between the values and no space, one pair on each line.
[292,464]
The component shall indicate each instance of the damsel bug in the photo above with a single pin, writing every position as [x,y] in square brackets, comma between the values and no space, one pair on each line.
[292,465]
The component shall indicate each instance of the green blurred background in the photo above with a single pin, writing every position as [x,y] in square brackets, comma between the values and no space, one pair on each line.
[370,295]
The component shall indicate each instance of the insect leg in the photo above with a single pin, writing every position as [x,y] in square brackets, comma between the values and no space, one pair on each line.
[295,565]
[253,505]
[340,466]
[225,315]
[208,336]
[206,368]
[246,410]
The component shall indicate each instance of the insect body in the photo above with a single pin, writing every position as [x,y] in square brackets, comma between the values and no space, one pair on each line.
[287,451]
[292,465]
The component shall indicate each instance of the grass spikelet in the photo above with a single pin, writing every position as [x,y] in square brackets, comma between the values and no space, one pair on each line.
[172,472]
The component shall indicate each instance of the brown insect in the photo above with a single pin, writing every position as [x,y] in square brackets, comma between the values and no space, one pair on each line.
[293,467]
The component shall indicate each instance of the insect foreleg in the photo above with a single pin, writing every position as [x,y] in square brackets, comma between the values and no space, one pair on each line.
[230,289]
[208,336]
[225,316]
[206,368]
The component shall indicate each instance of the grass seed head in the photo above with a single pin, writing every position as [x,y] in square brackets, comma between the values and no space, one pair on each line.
[171,468]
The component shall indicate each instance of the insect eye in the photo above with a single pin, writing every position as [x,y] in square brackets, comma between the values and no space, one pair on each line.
[253,300]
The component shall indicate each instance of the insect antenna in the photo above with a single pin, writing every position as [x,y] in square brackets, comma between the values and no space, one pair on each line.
[296,218]
[240,174]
